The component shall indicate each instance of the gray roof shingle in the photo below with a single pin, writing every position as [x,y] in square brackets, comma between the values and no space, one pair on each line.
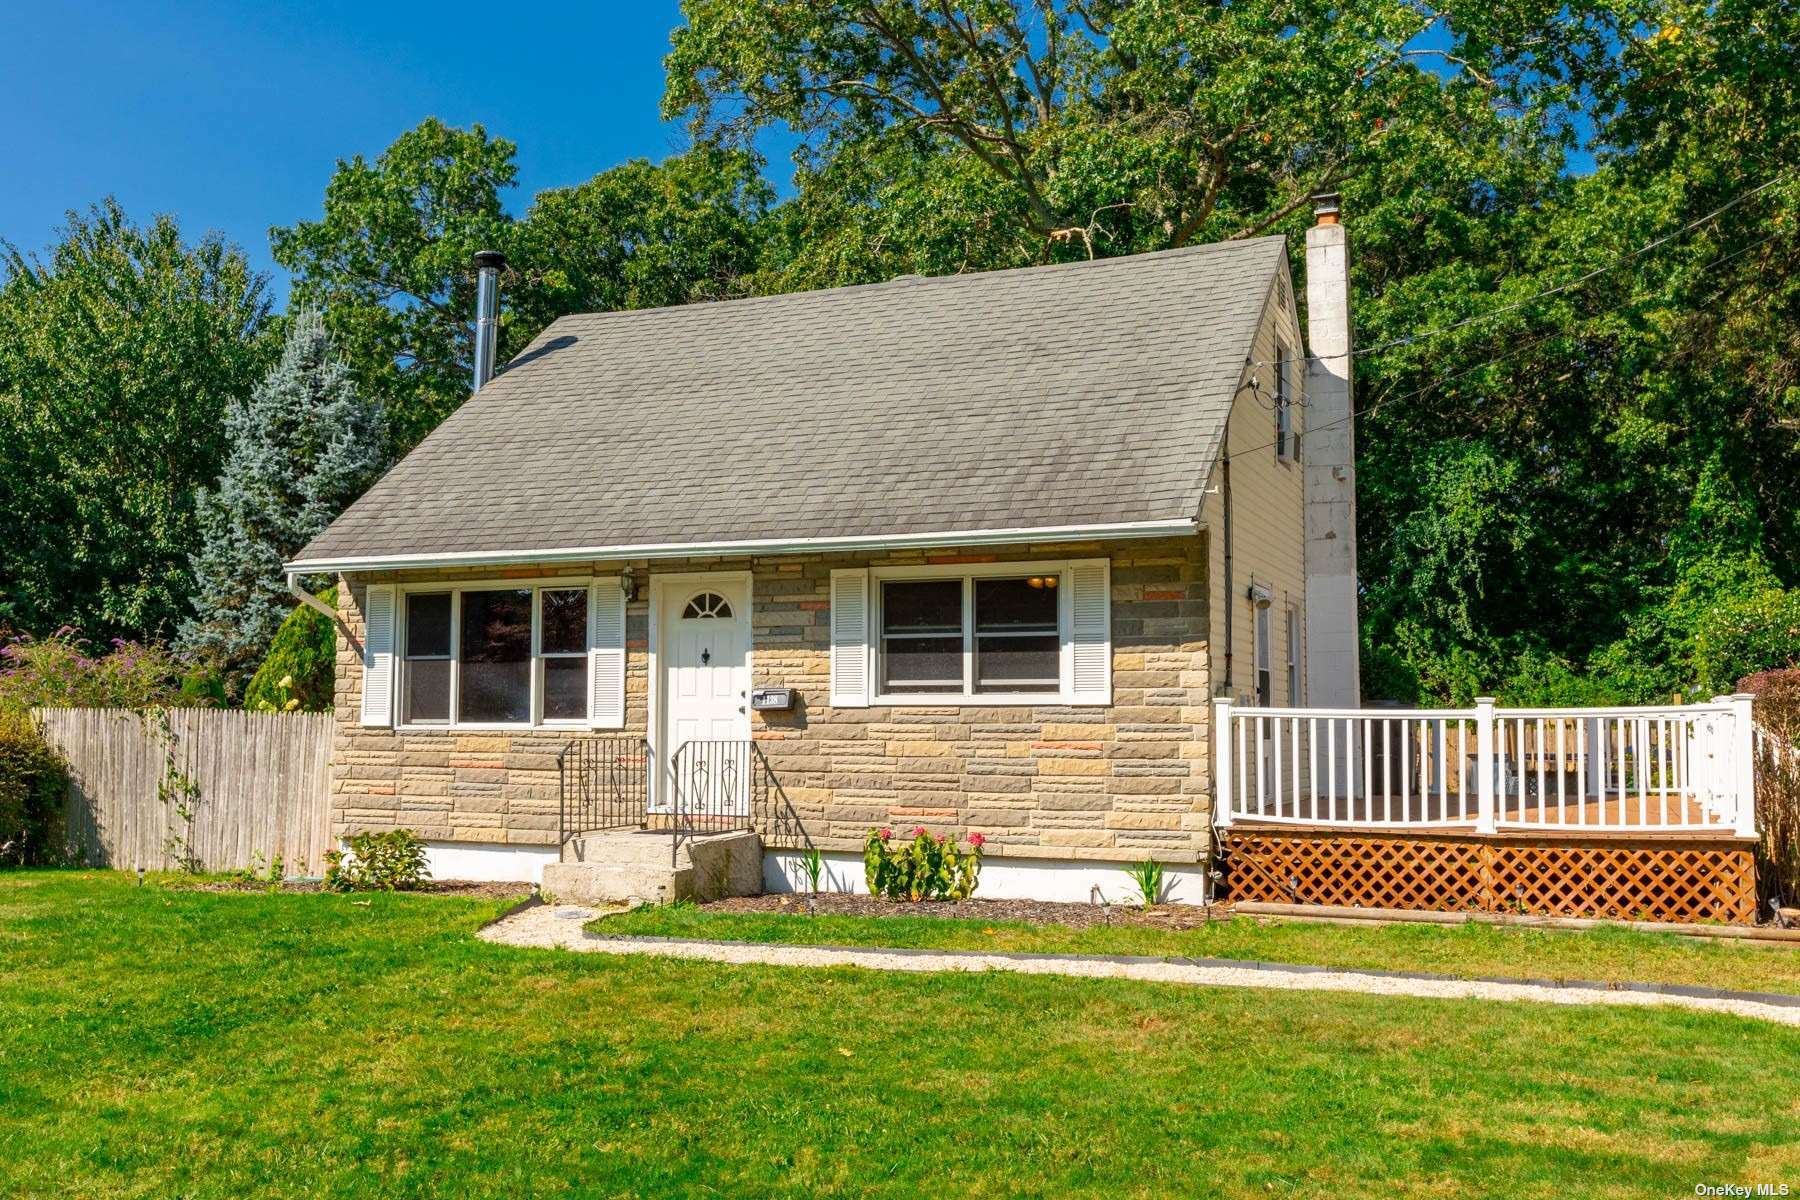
[1046,397]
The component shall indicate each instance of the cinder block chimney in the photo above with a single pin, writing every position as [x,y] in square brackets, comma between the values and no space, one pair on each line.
[1333,676]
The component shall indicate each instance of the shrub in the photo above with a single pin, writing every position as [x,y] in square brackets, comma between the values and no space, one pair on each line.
[61,670]
[378,862]
[1745,634]
[923,868]
[34,783]
[300,671]
[1778,786]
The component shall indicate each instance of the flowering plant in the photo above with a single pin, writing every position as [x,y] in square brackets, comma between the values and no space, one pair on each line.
[63,670]
[922,867]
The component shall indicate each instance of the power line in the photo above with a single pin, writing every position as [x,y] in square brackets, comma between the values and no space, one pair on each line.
[1409,339]
[1498,358]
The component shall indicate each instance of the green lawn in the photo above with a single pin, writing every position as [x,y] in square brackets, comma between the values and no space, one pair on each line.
[1609,954]
[158,1043]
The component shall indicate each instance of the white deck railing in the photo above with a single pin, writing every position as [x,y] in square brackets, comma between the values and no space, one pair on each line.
[1487,769]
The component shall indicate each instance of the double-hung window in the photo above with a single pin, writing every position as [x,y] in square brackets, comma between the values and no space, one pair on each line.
[1293,655]
[992,633]
[1265,674]
[495,655]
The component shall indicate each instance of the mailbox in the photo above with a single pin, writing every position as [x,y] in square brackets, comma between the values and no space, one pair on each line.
[772,699]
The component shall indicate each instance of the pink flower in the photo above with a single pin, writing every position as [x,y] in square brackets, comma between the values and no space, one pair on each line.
[918,831]
[977,841]
[940,839]
[885,833]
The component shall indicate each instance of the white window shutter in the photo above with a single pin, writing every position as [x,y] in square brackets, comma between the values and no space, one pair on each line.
[606,654]
[378,655]
[850,639]
[1090,632]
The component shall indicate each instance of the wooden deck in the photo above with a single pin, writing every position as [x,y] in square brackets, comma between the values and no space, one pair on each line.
[1656,814]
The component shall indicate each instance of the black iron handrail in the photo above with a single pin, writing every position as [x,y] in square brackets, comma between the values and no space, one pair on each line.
[604,784]
[719,786]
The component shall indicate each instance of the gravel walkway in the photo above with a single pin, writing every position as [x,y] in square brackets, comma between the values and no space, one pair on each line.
[561,926]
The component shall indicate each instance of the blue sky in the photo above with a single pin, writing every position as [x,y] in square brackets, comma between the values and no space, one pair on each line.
[231,115]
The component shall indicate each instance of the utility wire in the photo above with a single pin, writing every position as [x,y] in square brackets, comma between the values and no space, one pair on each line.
[1409,339]
[1498,358]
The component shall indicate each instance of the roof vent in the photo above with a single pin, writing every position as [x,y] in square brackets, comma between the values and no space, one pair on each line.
[910,277]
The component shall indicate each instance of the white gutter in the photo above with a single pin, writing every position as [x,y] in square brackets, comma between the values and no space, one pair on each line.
[769,546]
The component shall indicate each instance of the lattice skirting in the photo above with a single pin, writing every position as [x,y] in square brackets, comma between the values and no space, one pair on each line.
[1614,878]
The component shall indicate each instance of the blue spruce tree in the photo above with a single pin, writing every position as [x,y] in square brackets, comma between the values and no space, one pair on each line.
[302,447]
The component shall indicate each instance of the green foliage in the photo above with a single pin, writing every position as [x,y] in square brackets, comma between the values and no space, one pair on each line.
[1744,635]
[378,862]
[1147,878]
[1013,132]
[300,672]
[271,872]
[119,351]
[921,868]
[389,263]
[202,688]
[303,445]
[813,863]
[34,782]
[641,235]
[61,671]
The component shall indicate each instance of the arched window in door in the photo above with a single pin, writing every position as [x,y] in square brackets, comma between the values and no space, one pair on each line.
[707,605]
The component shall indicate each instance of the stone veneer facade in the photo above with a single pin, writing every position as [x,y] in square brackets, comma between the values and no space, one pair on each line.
[1121,782]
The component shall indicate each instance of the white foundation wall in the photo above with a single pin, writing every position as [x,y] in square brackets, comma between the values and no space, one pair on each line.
[1001,879]
[488,862]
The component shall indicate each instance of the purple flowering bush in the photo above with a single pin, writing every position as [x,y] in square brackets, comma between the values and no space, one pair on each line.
[63,670]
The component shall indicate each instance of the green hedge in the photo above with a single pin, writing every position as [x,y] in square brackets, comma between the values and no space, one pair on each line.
[304,653]
[34,783]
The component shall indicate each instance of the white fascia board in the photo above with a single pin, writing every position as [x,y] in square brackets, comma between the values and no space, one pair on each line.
[764,546]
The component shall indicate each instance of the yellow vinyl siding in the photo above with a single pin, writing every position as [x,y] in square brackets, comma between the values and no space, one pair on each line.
[1268,515]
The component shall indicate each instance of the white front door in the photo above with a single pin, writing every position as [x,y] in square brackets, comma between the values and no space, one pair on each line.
[704,659]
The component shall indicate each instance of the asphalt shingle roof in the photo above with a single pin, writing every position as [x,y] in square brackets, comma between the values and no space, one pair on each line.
[1080,394]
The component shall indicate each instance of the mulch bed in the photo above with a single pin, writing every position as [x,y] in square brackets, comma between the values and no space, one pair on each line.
[466,888]
[1035,912]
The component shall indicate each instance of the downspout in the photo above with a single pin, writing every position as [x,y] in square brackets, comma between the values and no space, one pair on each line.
[1230,594]
[311,601]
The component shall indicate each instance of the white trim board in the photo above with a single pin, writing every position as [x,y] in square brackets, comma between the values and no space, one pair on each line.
[1166,527]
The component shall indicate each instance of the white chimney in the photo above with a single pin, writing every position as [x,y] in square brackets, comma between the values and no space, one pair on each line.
[1333,677]
[488,265]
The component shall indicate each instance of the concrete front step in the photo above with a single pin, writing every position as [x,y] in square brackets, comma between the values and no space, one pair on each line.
[600,883]
[619,847]
[634,867]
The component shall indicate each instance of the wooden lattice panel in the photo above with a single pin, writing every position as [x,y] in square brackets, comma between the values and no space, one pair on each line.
[1620,880]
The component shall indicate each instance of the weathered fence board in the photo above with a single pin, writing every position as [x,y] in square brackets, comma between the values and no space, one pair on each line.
[264,786]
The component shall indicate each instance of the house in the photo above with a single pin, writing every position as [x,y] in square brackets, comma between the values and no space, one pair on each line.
[998,553]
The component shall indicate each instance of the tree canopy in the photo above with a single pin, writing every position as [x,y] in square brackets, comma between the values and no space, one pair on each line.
[1575,234]
[119,352]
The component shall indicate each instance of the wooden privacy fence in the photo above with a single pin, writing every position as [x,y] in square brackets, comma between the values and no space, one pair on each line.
[262,786]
